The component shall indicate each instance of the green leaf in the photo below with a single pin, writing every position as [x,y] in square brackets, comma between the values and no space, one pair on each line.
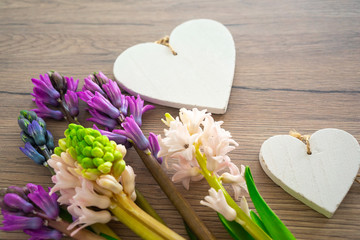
[236,231]
[258,221]
[272,223]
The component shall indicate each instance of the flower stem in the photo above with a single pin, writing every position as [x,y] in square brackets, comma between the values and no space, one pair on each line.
[139,221]
[251,227]
[144,205]
[80,235]
[183,207]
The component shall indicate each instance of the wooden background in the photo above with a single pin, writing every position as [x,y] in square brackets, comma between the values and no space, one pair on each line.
[297,66]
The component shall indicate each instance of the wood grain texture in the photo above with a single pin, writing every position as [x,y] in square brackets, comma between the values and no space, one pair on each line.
[297,66]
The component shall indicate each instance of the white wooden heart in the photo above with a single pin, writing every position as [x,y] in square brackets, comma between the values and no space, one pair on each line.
[200,75]
[320,180]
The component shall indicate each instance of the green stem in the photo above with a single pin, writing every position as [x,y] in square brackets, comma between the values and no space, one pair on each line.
[252,228]
[139,221]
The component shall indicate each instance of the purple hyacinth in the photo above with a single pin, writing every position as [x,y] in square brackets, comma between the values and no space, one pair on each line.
[13,222]
[101,78]
[44,85]
[48,204]
[28,209]
[113,92]
[45,112]
[71,84]
[133,132]
[85,95]
[44,233]
[101,104]
[137,108]
[155,147]
[53,90]
[44,97]
[72,101]
[101,119]
[113,136]
[15,201]
[92,86]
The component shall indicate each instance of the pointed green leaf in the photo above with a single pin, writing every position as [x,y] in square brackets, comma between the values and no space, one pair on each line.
[236,231]
[272,223]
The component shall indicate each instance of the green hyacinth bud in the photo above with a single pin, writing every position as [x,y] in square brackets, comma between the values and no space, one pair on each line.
[118,168]
[105,167]
[97,152]
[108,157]
[58,151]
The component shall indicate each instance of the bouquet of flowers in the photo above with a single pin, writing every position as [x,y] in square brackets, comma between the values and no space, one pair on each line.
[93,184]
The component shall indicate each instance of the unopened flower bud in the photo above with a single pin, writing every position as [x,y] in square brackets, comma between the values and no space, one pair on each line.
[23,124]
[109,182]
[101,78]
[26,138]
[58,82]
[168,119]
[12,222]
[118,168]
[128,180]
[49,140]
[41,122]
[37,133]
[29,115]
[15,201]
[32,153]
[44,233]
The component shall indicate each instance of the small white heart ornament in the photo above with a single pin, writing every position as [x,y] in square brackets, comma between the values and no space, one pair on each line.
[320,180]
[200,75]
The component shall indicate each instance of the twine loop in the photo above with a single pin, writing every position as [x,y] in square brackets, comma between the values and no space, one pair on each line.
[304,138]
[165,41]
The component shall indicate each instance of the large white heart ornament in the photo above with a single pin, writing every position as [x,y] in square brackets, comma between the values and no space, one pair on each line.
[200,75]
[320,180]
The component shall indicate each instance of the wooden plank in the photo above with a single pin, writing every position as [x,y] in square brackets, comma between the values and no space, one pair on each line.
[297,67]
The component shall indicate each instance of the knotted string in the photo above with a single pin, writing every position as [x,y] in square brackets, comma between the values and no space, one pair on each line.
[165,41]
[303,138]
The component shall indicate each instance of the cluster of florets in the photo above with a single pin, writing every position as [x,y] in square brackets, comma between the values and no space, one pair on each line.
[93,151]
[90,171]
[193,131]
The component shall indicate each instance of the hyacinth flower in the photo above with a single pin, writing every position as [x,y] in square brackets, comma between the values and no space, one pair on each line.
[201,146]
[97,185]
[108,105]
[32,210]
[39,146]
[39,142]
[55,97]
